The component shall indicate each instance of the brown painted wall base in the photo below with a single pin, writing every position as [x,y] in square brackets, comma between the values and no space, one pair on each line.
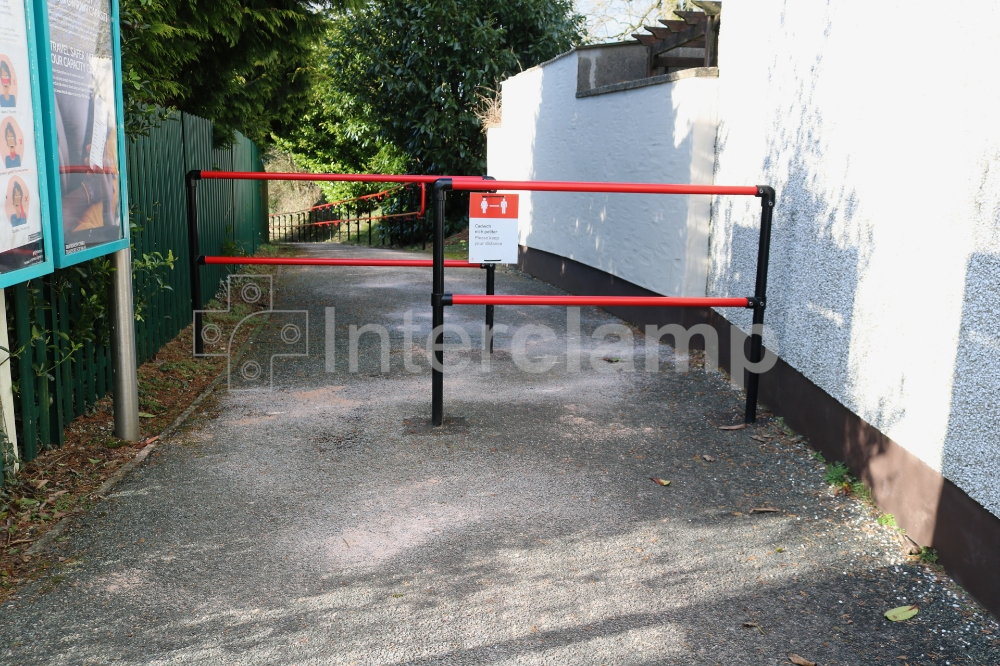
[933,510]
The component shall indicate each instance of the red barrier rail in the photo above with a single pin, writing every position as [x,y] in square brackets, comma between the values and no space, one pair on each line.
[474,183]
[598,301]
[322,177]
[465,183]
[326,261]
[364,197]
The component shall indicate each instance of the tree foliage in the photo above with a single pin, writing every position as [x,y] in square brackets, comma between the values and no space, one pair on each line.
[244,64]
[400,81]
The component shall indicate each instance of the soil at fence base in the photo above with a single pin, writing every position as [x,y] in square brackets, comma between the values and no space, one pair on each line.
[60,482]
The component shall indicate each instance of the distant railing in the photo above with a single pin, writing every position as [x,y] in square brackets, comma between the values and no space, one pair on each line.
[325,222]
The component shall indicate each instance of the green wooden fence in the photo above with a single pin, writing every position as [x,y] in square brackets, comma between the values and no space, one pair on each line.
[58,324]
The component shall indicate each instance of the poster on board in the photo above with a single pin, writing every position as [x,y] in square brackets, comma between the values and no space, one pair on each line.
[21,242]
[81,44]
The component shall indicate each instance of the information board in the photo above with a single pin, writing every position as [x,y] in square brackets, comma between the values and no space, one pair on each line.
[493,228]
[84,75]
[24,250]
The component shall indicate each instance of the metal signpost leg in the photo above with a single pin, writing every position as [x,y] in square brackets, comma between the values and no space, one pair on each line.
[126,381]
[490,275]
[766,196]
[192,213]
[441,188]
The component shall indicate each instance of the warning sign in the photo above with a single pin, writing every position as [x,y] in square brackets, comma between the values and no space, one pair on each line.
[493,228]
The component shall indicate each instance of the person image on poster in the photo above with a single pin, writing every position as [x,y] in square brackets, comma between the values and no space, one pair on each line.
[86,123]
[19,201]
[12,159]
[22,224]
[7,98]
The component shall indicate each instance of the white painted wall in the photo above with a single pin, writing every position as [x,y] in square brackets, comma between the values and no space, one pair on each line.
[885,273]
[663,133]
[884,284]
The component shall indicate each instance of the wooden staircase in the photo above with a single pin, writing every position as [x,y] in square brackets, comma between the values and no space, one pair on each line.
[691,41]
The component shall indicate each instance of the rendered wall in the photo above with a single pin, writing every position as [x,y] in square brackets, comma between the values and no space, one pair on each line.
[662,133]
[884,287]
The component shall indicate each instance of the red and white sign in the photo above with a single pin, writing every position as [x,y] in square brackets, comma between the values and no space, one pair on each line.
[493,228]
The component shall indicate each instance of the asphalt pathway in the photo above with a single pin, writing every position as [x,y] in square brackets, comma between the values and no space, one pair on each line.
[322,520]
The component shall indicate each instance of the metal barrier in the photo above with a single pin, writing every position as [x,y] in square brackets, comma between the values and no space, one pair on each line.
[439,299]
[193,177]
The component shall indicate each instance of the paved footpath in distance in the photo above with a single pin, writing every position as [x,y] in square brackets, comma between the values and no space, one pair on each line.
[325,522]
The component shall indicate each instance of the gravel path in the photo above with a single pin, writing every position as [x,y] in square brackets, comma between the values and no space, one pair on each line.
[325,522]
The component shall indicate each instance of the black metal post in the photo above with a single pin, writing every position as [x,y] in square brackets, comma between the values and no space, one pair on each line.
[490,275]
[766,196]
[192,214]
[441,188]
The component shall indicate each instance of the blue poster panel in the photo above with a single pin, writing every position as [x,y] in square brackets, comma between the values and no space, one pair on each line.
[24,247]
[84,123]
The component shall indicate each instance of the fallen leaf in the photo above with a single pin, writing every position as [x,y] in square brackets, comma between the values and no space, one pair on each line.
[764,509]
[94,461]
[759,438]
[662,482]
[40,484]
[149,440]
[901,613]
[146,415]
[733,427]
[753,625]
[708,458]
[800,661]
[737,513]
[58,514]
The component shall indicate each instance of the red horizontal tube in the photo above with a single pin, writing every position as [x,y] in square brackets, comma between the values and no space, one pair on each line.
[476,183]
[325,177]
[334,204]
[325,261]
[599,301]
[623,188]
